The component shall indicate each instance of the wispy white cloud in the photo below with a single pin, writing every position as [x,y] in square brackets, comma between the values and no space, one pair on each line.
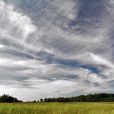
[55,48]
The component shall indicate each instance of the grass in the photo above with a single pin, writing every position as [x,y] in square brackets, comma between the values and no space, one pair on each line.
[57,108]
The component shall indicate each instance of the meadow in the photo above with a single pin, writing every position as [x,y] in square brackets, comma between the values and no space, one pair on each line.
[57,108]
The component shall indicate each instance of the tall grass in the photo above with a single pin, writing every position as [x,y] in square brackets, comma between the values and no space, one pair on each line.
[57,108]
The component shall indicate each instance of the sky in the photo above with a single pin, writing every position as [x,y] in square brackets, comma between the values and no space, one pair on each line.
[52,48]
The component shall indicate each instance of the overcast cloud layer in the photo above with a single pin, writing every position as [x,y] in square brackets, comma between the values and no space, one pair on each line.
[51,48]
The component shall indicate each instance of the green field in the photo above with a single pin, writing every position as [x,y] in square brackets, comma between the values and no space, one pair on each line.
[57,108]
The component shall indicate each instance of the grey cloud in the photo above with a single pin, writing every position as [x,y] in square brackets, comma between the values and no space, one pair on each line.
[56,48]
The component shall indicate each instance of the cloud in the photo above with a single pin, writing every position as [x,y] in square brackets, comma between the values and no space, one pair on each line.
[56,48]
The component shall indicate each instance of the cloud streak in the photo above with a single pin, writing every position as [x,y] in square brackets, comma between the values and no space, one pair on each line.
[56,48]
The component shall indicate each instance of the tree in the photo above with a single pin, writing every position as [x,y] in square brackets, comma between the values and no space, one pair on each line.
[8,99]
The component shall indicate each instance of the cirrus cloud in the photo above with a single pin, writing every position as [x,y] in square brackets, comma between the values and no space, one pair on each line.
[56,48]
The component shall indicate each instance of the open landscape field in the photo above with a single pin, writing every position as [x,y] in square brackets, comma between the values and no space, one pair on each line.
[57,108]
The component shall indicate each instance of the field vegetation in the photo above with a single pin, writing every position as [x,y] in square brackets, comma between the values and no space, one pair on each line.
[57,108]
[84,104]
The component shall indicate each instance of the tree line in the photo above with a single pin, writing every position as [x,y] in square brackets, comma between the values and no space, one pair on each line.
[8,99]
[102,97]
